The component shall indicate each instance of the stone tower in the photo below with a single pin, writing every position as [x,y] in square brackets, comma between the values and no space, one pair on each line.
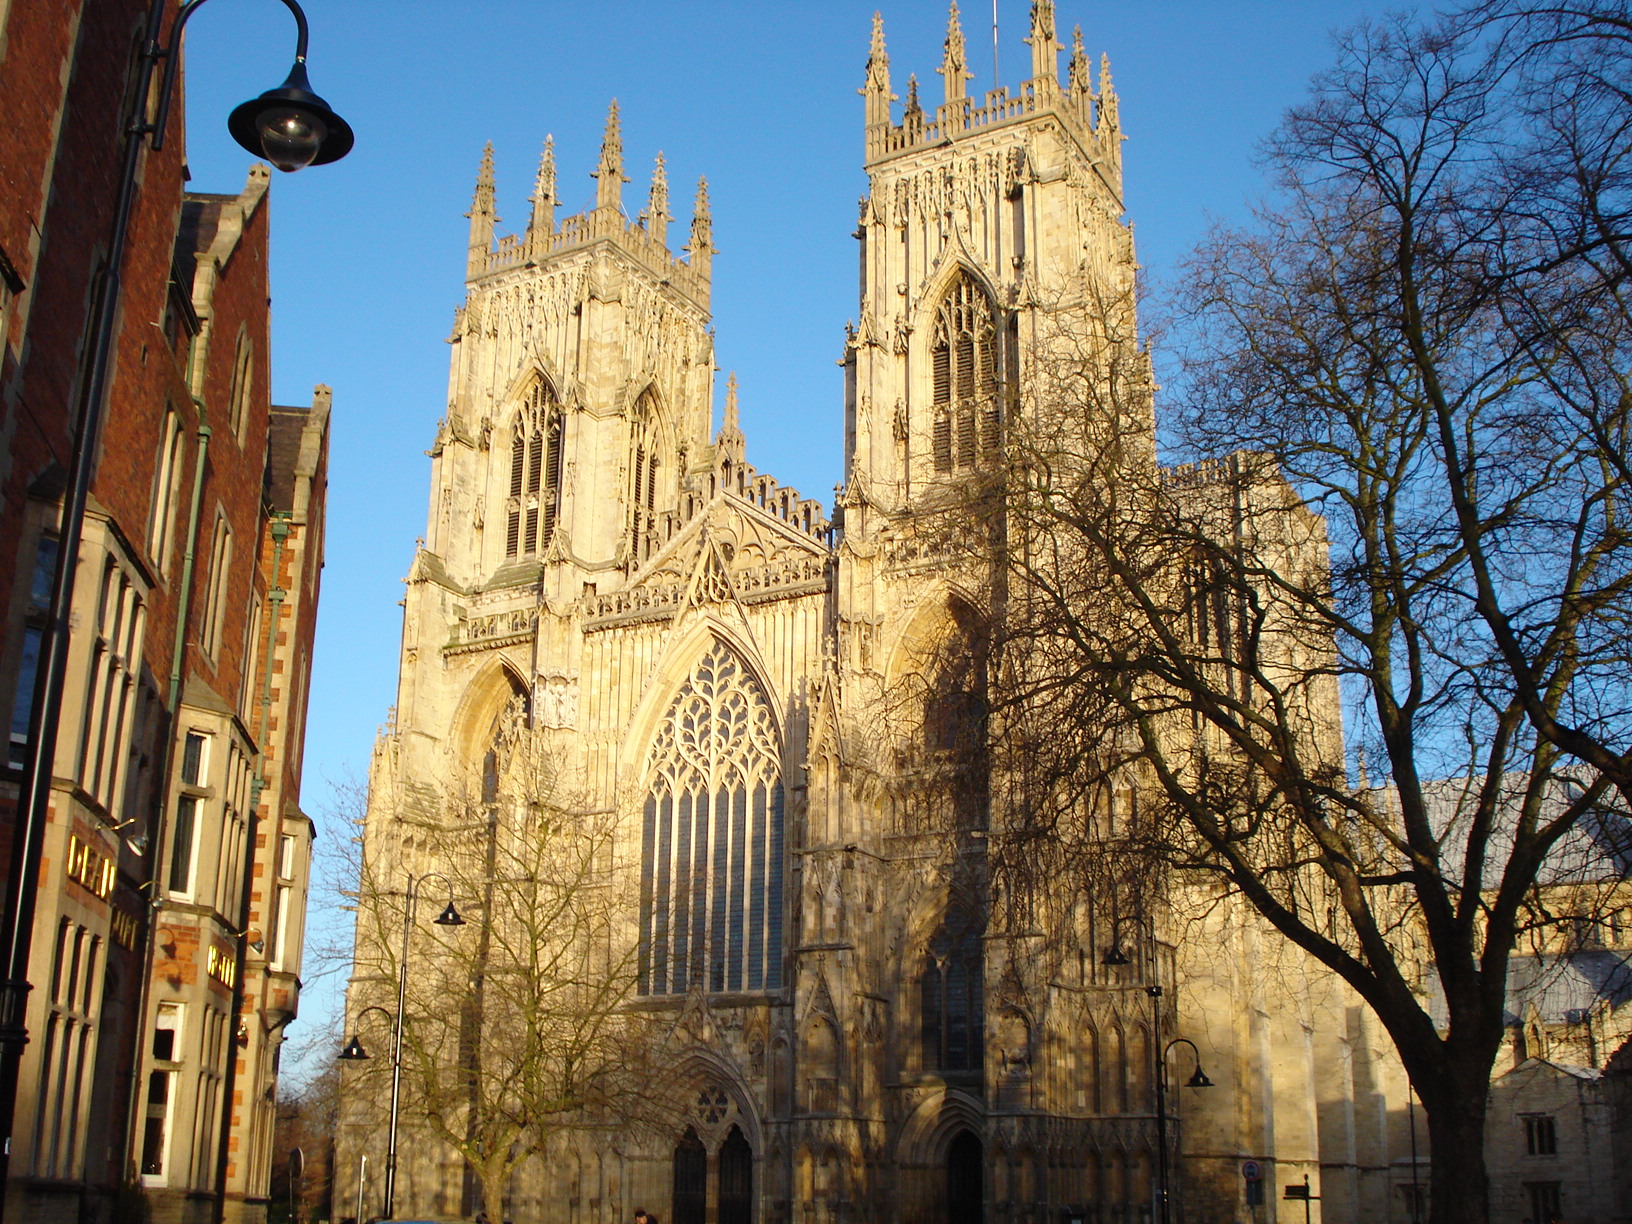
[844,1026]
[581,379]
[981,221]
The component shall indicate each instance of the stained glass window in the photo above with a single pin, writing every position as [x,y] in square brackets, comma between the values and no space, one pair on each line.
[711,842]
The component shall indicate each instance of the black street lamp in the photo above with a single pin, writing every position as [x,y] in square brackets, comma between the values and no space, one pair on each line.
[354,1051]
[1198,1079]
[297,121]
[1114,956]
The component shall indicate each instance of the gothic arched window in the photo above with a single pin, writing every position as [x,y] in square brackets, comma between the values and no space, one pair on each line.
[963,358]
[643,472]
[711,843]
[535,474]
[952,995]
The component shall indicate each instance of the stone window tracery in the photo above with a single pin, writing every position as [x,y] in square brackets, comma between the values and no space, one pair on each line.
[644,466]
[964,370]
[951,995]
[535,473]
[712,838]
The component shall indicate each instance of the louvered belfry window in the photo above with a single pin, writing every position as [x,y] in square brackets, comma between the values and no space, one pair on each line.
[643,473]
[535,474]
[966,372]
[711,842]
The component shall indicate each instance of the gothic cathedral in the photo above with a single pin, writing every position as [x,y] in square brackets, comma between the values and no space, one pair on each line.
[844,1023]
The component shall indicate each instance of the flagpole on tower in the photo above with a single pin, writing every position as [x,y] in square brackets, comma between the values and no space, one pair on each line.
[996,76]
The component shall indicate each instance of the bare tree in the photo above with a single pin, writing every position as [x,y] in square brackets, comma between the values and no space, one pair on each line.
[302,1182]
[515,1028]
[1415,368]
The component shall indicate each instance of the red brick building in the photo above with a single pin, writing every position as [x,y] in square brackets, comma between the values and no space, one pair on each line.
[174,825]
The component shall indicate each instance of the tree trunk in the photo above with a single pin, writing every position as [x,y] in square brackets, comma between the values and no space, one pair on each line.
[493,1178]
[1459,1193]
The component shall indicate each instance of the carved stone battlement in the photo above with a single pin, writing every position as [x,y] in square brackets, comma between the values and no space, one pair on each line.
[584,230]
[803,514]
[645,238]
[493,629]
[961,117]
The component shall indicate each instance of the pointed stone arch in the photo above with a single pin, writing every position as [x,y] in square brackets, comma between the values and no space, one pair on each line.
[538,369]
[486,697]
[701,1069]
[961,388]
[680,655]
[944,607]
[532,463]
[712,825]
[653,470]
[954,262]
[930,1129]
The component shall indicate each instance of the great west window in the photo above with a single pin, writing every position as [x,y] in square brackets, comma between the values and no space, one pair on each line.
[711,847]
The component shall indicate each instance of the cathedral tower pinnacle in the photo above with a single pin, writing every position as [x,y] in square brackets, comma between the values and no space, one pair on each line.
[876,91]
[542,222]
[481,216]
[730,443]
[1078,78]
[609,173]
[1045,47]
[955,63]
[1108,116]
[656,216]
[701,246]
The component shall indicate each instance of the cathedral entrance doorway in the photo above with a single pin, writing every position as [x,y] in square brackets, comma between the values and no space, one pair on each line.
[965,1180]
[690,1180]
[736,1180]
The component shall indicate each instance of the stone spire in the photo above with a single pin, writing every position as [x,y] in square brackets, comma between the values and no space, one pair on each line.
[1045,48]
[730,442]
[701,247]
[609,173]
[1077,73]
[481,217]
[656,216]
[542,223]
[954,67]
[877,89]
[1107,95]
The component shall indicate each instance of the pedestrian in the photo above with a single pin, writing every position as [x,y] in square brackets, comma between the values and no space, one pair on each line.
[642,1216]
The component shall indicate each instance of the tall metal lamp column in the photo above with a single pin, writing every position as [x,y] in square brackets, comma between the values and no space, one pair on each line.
[1114,956]
[354,1052]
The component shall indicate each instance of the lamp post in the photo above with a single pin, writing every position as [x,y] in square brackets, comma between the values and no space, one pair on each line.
[354,1052]
[1114,956]
[1198,1079]
[290,126]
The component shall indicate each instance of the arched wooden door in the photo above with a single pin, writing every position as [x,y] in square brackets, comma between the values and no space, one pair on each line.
[736,1179]
[965,1180]
[690,1180]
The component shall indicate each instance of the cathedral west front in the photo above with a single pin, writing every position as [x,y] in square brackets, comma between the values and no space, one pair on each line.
[733,678]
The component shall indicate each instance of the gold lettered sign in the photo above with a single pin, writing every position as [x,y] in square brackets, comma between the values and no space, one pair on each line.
[89,868]
[222,966]
[122,926]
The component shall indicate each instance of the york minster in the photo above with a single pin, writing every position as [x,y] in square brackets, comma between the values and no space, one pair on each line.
[754,713]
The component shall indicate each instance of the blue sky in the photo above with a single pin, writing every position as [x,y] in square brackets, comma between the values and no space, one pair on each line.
[368,253]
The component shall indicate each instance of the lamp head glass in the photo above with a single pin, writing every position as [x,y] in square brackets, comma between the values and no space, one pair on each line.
[291,126]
